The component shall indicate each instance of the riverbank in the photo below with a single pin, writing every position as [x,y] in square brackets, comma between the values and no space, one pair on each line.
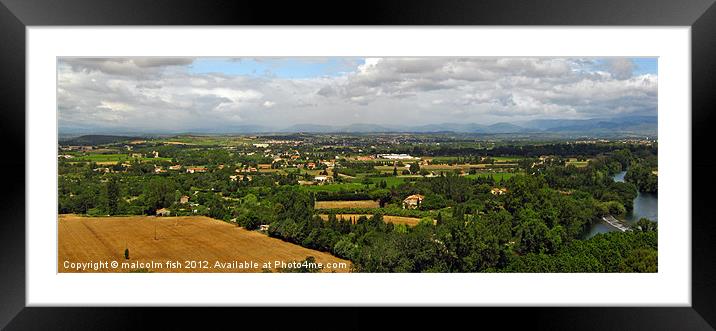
[646,205]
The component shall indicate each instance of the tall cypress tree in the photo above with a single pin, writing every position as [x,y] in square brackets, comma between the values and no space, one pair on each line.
[112,196]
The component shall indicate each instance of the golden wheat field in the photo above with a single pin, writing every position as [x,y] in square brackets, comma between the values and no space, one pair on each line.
[153,242]
[347,204]
[410,221]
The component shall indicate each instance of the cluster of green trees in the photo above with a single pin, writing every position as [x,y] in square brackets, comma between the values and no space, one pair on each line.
[631,251]
[595,179]
[392,211]
[354,168]
[526,240]
[84,191]
[480,232]
[523,150]
[643,177]
[538,225]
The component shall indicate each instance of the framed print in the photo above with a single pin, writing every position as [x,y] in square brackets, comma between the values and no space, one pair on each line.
[426,155]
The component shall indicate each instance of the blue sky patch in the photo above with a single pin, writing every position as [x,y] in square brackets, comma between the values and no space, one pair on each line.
[289,68]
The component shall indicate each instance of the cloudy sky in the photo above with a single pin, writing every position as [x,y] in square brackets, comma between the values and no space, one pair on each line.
[184,94]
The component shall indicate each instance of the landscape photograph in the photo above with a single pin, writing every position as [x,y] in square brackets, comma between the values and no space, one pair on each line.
[357,164]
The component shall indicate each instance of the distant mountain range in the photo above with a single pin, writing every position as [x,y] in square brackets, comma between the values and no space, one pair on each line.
[633,125]
[96,139]
[467,128]
[637,123]
[646,125]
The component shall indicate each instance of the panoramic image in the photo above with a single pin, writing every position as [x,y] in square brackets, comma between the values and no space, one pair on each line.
[357,164]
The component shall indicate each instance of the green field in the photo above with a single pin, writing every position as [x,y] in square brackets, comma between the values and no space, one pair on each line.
[209,141]
[387,169]
[117,158]
[495,175]
[431,167]
[503,159]
[390,181]
[336,187]
[444,159]
[578,164]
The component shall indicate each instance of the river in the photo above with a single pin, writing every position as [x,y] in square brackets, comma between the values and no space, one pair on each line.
[645,205]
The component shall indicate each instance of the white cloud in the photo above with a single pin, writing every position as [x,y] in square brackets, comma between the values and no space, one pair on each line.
[162,94]
[621,68]
[115,106]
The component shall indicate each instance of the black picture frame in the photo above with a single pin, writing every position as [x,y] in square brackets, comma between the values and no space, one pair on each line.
[16,15]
